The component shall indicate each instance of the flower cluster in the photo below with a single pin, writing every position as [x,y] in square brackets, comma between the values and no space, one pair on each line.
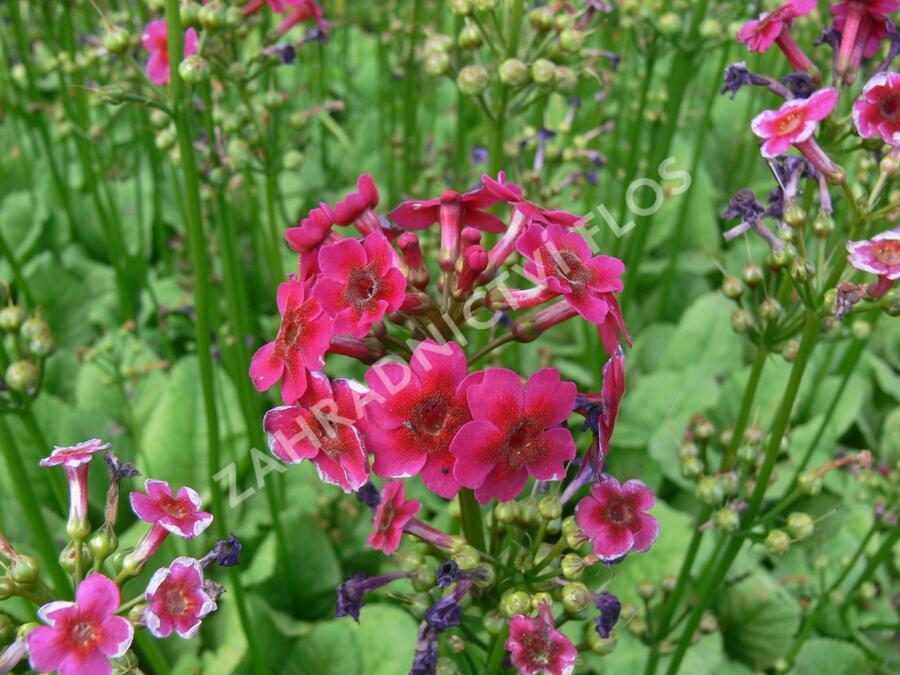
[93,634]
[367,288]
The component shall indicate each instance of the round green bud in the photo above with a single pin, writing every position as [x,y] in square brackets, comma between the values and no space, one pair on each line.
[710,28]
[566,79]
[165,139]
[461,7]
[438,43]
[741,321]
[116,41]
[708,623]
[732,287]
[422,579]
[890,303]
[25,570]
[571,39]
[809,483]
[484,575]
[234,17]
[467,557]
[704,430]
[782,257]
[11,318]
[470,37]
[190,14]
[569,525]
[507,512]
[193,70]
[770,309]
[273,100]
[790,349]
[7,588]
[550,508]
[868,590]
[646,589]
[800,525]
[754,435]
[493,622]
[541,598]
[473,80]
[709,490]
[669,24]
[668,583]
[572,566]
[67,558]
[541,18]
[599,645]
[446,666]
[691,467]
[637,626]
[747,453]
[437,63]
[514,603]
[861,329]
[32,327]
[513,72]
[778,542]
[292,159]
[752,274]
[212,16]
[485,5]
[794,216]
[553,526]
[575,597]
[564,21]
[823,225]
[730,483]
[543,71]
[7,630]
[528,512]
[727,519]
[22,376]
[103,543]
[136,613]
[687,449]
[802,270]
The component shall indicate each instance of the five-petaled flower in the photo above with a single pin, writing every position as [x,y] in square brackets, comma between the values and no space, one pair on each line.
[323,427]
[299,347]
[877,110]
[535,645]
[614,517]
[75,462]
[156,41]
[392,514]
[879,255]
[774,28]
[359,207]
[81,637]
[359,283]
[176,599]
[863,24]
[515,431]
[414,413]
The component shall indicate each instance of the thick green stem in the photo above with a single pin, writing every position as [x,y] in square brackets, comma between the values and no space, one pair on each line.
[473,527]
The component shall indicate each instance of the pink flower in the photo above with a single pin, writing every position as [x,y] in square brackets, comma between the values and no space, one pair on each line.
[536,646]
[512,194]
[156,41]
[300,345]
[297,10]
[178,514]
[176,599]
[562,262]
[324,427]
[877,110]
[394,511]
[360,206]
[614,518]
[879,255]
[862,24]
[760,34]
[82,636]
[359,283]
[794,124]
[415,411]
[514,432]
[74,461]
[313,231]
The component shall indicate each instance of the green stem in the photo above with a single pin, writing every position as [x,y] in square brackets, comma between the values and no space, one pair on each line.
[498,651]
[743,418]
[472,524]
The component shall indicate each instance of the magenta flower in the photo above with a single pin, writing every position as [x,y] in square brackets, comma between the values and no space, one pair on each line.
[297,11]
[877,110]
[75,462]
[178,514]
[536,646]
[561,261]
[176,599]
[879,255]
[415,411]
[862,25]
[393,513]
[156,41]
[774,27]
[313,231]
[82,636]
[299,347]
[794,124]
[359,207]
[514,432]
[614,518]
[359,283]
[324,427]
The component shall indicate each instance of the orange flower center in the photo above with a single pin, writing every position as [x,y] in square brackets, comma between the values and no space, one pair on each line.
[789,123]
[888,252]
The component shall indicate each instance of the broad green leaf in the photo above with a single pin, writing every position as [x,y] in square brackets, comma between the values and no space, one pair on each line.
[821,656]
[704,338]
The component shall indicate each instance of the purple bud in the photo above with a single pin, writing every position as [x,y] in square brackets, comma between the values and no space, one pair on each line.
[444,614]
[744,206]
[737,76]
[228,552]
[609,607]
[368,494]
[800,84]
[350,593]
[119,471]
[446,573]
[426,658]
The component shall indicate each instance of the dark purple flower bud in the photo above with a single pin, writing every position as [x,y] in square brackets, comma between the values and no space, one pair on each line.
[743,206]
[446,573]
[776,204]
[831,37]
[119,471]
[426,658]
[737,76]
[479,155]
[609,607]
[800,84]
[350,593]
[444,614]
[369,495]
[287,54]
[228,552]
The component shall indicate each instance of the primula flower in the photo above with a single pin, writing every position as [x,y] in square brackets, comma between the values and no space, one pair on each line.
[862,25]
[610,607]
[392,514]
[879,255]
[359,283]
[794,124]
[614,518]
[515,431]
[75,462]
[877,110]
[350,594]
[324,428]
[156,41]
[415,411]
[176,599]
[81,637]
[562,262]
[774,27]
[301,342]
[297,11]
[536,646]
[359,207]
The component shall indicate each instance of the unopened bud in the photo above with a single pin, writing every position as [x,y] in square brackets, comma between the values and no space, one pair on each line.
[741,321]
[25,570]
[571,39]
[575,597]
[473,80]
[732,287]
[800,525]
[753,275]
[727,519]
[550,508]
[778,542]
[572,566]
[543,71]
[22,376]
[513,72]
[116,41]
[470,37]
[11,318]
[514,603]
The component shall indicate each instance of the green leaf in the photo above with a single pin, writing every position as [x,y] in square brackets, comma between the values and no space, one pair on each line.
[704,338]
[821,656]
[331,648]
[758,619]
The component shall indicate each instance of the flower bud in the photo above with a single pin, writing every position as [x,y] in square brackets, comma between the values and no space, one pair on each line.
[541,18]
[566,80]
[809,483]
[753,275]
[691,467]
[212,16]
[646,589]
[25,570]
[794,216]
[686,450]
[513,72]
[741,321]
[571,40]
[550,508]
[483,575]
[461,7]
[7,588]
[572,566]
[778,542]
[770,309]
[543,71]
[422,580]
[437,63]
[22,376]
[11,317]
[669,24]
[790,349]
[193,70]
[890,303]
[541,598]
[493,622]
[709,491]
[473,80]
[467,557]
[599,645]
[727,519]
[823,225]
[485,5]
[800,525]
[470,37]
[575,597]
[528,512]
[116,41]
[572,533]
[708,623]
[732,287]
[782,257]
[67,558]
[515,602]
[668,583]
[136,614]
[507,512]
[7,630]
[802,270]
[704,430]
[103,543]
